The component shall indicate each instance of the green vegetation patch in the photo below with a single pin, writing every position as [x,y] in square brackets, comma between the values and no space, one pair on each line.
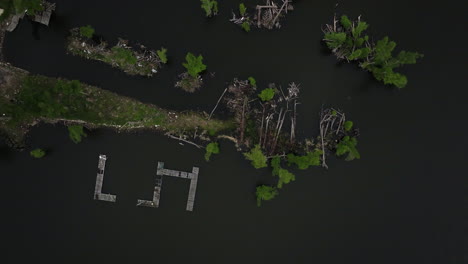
[312,158]
[348,146]
[267,94]
[87,31]
[284,175]
[194,65]
[348,41]
[212,148]
[37,153]
[265,193]
[257,158]
[76,133]
[162,54]
[210,7]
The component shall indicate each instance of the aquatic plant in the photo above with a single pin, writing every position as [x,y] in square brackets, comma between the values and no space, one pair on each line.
[87,31]
[210,7]
[347,41]
[265,193]
[76,132]
[257,158]
[211,148]
[37,153]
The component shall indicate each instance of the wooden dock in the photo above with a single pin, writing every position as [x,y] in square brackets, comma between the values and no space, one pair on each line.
[42,17]
[156,195]
[98,195]
[193,176]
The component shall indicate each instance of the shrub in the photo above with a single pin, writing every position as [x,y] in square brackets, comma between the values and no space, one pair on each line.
[37,153]
[87,31]
[194,65]
[212,148]
[257,158]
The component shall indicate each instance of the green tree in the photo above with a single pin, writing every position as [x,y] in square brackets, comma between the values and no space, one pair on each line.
[348,125]
[194,65]
[312,158]
[76,133]
[257,158]
[210,7]
[284,175]
[252,81]
[242,9]
[162,55]
[37,153]
[267,94]
[265,193]
[349,42]
[87,31]
[246,26]
[348,146]
[212,148]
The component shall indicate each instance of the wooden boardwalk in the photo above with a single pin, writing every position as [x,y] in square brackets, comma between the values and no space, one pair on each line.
[98,195]
[193,176]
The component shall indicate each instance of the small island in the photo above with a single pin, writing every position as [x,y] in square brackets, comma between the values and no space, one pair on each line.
[133,61]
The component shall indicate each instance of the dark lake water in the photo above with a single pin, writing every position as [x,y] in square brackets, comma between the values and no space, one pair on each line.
[404,201]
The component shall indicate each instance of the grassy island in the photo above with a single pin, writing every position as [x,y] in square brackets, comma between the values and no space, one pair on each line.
[27,100]
[133,61]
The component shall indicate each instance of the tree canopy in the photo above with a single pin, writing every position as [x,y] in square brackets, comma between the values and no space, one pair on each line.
[257,158]
[252,81]
[37,153]
[212,148]
[210,7]
[312,158]
[194,65]
[242,9]
[265,193]
[284,175]
[87,31]
[349,42]
[162,54]
[267,94]
[76,133]
[348,146]
[348,125]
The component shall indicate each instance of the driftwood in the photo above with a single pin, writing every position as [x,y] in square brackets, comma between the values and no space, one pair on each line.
[184,140]
[267,15]
[219,100]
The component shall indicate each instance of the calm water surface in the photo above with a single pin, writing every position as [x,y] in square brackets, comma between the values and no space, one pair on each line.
[401,203]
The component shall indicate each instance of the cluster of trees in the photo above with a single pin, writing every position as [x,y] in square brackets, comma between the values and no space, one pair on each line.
[348,41]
